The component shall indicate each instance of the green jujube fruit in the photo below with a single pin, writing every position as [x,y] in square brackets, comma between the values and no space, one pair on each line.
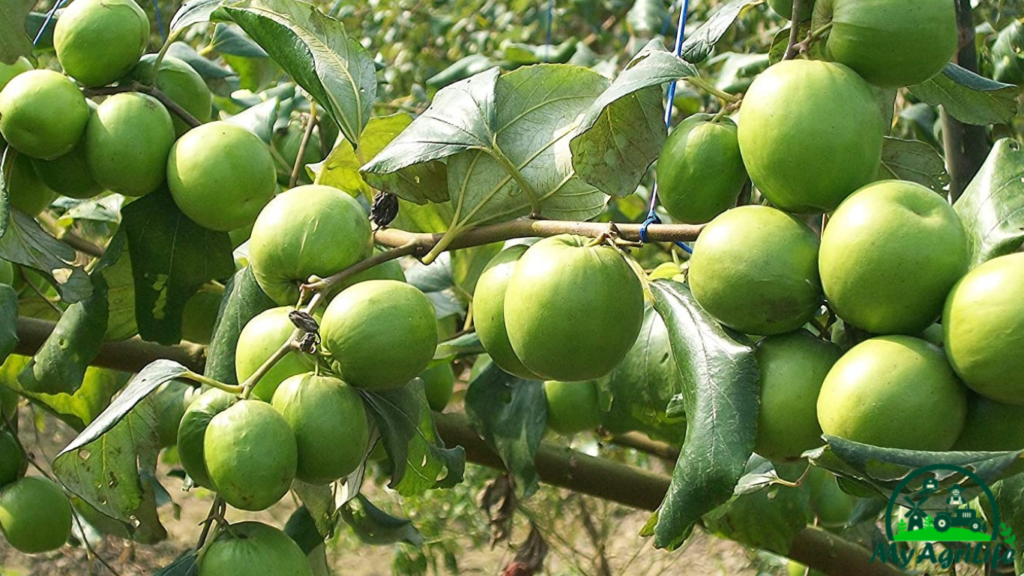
[259,340]
[891,43]
[26,191]
[9,71]
[127,143]
[983,323]
[438,384]
[12,458]
[573,310]
[251,455]
[69,174]
[572,406]
[489,311]
[784,8]
[42,114]
[250,546]
[98,41]
[755,269]
[793,368]
[221,176]
[894,392]
[993,427]
[330,425]
[182,84]
[35,515]
[889,256]
[700,170]
[306,231]
[380,334]
[192,433]
[810,133]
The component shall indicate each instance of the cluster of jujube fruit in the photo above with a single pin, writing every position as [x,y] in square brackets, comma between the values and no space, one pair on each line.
[893,256]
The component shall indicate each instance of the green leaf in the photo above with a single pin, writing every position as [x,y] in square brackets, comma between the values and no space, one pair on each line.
[418,457]
[721,393]
[648,17]
[623,131]
[699,44]
[376,527]
[8,321]
[14,42]
[259,119]
[254,74]
[317,53]
[60,363]
[243,300]
[438,283]
[780,42]
[185,565]
[739,70]
[467,344]
[194,12]
[461,69]
[171,258]
[341,168]
[206,68]
[882,469]
[27,244]
[121,299]
[640,388]
[1009,496]
[318,502]
[510,414]
[34,24]
[992,206]
[768,519]
[227,40]
[970,98]
[915,161]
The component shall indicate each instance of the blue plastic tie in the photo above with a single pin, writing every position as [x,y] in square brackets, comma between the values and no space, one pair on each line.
[46,21]
[547,38]
[652,216]
[159,20]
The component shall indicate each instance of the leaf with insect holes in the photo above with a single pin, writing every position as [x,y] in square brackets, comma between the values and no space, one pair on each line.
[333,68]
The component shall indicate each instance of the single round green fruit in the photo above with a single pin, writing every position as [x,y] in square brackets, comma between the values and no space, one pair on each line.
[489,311]
[891,43]
[894,392]
[889,256]
[572,310]
[993,427]
[26,191]
[69,174]
[252,546]
[330,425]
[98,41]
[221,176]
[42,114]
[573,407]
[439,383]
[8,71]
[755,269]
[200,314]
[811,133]
[700,170]
[259,340]
[251,455]
[984,329]
[784,8]
[182,84]
[380,334]
[831,505]
[793,367]
[192,433]
[35,515]
[794,568]
[6,273]
[127,143]
[307,231]
[169,402]
[12,458]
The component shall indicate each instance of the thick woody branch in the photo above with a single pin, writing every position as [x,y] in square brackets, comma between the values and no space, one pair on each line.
[966,146]
[555,465]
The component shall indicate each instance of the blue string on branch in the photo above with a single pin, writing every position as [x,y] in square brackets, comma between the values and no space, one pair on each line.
[47,20]
[652,216]
[547,37]
[159,20]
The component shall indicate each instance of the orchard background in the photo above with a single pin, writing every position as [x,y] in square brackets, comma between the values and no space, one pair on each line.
[106,286]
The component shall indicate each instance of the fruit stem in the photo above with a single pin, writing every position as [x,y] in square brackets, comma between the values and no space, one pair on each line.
[325,285]
[302,145]
[710,89]
[163,50]
[794,30]
[442,245]
[289,346]
[212,383]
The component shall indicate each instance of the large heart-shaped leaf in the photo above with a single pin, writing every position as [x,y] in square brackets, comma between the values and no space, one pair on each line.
[510,414]
[623,131]
[915,161]
[992,206]
[317,53]
[970,98]
[721,392]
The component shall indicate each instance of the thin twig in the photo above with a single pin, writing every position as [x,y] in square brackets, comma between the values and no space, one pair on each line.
[71,238]
[88,547]
[327,284]
[285,349]
[300,157]
[794,31]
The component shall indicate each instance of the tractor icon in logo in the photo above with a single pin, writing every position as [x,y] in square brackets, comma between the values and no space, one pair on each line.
[957,522]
